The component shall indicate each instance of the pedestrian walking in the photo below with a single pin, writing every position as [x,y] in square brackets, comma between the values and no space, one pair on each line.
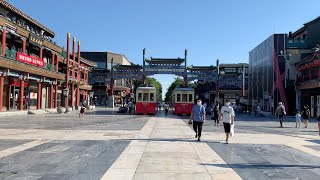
[298,119]
[166,108]
[216,114]
[227,115]
[198,116]
[319,124]
[280,112]
[82,110]
[305,115]
[130,105]
[258,112]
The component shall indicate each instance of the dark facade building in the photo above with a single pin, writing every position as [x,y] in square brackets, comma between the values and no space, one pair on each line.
[100,78]
[267,75]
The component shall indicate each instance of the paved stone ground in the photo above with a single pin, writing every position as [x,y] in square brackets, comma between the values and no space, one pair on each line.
[108,145]
[55,146]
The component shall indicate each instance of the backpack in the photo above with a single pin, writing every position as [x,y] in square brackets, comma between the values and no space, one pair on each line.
[281,111]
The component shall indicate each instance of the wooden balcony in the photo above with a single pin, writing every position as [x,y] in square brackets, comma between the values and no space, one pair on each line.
[19,30]
[27,68]
[51,45]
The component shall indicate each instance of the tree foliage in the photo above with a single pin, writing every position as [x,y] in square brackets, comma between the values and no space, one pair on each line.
[177,82]
[149,81]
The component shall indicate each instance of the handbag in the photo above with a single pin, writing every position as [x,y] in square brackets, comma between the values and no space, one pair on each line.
[232,130]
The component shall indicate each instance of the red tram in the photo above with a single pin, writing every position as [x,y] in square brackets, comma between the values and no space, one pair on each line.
[146,100]
[183,99]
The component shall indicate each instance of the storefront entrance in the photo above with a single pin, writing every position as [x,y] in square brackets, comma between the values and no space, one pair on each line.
[14,97]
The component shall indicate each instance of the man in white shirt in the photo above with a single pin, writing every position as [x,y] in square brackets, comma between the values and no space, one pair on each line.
[228,115]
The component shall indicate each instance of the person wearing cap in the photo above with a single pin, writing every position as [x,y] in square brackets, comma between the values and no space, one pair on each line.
[227,115]
[280,112]
[198,116]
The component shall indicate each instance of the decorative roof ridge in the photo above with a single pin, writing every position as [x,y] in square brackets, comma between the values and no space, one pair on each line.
[16,10]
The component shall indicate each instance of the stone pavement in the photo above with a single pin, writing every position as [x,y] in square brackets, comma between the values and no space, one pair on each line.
[108,145]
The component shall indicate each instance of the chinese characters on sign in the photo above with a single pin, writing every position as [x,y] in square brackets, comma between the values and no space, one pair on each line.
[30,60]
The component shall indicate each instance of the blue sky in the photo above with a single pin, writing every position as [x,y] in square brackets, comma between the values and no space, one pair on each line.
[209,29]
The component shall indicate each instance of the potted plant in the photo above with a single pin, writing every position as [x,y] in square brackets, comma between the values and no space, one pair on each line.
[61,110]
[69,109]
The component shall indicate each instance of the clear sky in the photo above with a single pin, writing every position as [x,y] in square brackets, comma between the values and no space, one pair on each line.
[209,29]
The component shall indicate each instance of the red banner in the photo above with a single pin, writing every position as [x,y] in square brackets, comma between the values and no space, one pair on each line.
[30,60]
[16,82]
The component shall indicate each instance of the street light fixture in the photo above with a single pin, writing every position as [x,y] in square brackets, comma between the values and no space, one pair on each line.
[65,93]
[123,95]
[91,96]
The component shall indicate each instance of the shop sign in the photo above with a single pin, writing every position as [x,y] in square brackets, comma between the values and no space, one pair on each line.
[314,63]
[30,60]
[16,82]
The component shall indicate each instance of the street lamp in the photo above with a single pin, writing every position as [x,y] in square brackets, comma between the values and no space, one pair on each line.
[123,95]
[65,93]
[91,96]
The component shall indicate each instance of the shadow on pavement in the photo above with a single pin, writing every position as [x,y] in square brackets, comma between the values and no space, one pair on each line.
[265,165]
[172,140]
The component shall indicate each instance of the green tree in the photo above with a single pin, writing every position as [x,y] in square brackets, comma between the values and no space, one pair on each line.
[152,81]
[177,82]
[157,85]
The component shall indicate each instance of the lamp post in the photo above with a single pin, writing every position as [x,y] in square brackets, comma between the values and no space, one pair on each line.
[65,93]
[91,96]
[123,95]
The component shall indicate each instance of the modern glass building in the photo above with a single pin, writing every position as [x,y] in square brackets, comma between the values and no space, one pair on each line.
[267,75]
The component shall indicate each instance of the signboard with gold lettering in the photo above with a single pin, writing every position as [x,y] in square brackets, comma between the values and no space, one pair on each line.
[35,39]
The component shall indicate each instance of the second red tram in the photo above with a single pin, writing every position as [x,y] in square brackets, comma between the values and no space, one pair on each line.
[183,99]
[146,100]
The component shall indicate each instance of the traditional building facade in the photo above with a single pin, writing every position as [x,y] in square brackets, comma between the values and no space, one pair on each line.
[304,67]
[100,77]
[230,86]
[33,69]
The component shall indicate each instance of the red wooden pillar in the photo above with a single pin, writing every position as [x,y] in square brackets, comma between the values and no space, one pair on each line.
[57,63]
[73,56]
[72,95]
[1,90]
[56,96]
[39,94]
[41,53]
[24,45]
[78,77]
[3,41]
[52,61]
[51,96]
[21,94]
[68,70]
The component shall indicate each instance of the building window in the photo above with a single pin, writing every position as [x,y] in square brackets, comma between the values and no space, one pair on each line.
[139,97]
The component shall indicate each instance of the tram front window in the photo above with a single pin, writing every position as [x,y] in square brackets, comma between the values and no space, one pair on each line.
[151,97]
[145,96]
[190,98]
[178,97]
[139,97]
[184,98]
